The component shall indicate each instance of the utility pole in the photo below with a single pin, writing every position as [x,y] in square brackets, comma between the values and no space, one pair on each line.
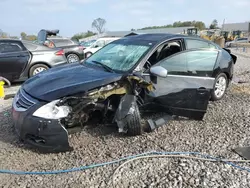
[223,25]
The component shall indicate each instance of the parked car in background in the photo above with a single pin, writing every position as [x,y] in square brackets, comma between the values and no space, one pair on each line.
[20,60]
[170,73]
[86,44]
[98,44]
[73,50]
[238,40]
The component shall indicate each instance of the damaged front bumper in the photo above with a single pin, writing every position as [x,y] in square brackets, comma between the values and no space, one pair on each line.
[46,135]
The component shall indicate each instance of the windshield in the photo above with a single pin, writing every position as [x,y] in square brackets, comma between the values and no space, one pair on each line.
[120,55]
[87,44]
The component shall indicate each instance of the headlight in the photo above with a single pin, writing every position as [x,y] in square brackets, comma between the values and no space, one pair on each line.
[51,111]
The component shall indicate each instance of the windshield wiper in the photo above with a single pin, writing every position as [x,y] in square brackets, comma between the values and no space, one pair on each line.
[104,66]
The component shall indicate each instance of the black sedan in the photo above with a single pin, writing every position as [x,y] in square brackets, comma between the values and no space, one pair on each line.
[20,60]
[170,73]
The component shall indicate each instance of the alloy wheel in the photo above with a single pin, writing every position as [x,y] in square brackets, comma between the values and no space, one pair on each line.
[38,70]
[220,87]
[72,58]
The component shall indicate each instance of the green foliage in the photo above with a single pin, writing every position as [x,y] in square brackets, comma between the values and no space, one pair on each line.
[24,36]
[214,24]
[199,24]
[83,35]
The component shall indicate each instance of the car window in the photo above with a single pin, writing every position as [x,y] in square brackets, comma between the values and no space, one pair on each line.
[192,63]
[61,42]
[7,47]
[120,55]
[201,63]
[175,65]
[99,43]
[192,44]
[211,46]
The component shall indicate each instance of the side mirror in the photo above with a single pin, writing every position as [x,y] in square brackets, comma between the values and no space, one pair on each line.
[96,46]
[159,71]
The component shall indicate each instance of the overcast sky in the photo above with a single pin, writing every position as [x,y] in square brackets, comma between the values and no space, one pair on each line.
[73,16]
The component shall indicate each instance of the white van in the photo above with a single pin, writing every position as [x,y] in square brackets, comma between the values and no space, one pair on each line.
[98,44]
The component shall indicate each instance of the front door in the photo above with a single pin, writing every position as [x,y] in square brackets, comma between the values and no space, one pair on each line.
[186,89]
[13,59]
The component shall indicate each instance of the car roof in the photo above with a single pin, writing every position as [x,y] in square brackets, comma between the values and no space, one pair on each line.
[155,37]
[159,37]
[9,39]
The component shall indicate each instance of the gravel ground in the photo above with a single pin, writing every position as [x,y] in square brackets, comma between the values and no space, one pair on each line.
[225,126]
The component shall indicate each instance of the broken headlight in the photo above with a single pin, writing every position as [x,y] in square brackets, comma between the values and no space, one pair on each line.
[52,111]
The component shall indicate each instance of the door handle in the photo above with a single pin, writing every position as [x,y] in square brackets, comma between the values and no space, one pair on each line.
[202,90]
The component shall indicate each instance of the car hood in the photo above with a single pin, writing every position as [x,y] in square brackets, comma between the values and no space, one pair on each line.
[67,80]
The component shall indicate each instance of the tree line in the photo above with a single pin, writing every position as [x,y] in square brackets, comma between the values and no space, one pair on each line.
[99,25]
[198,24]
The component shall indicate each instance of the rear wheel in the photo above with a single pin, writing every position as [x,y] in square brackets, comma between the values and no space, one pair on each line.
[35,69]
[220,86]
[72,58]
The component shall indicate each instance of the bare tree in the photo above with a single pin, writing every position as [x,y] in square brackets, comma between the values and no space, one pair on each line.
[99,24]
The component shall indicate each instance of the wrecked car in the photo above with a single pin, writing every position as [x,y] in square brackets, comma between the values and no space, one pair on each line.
[169,73]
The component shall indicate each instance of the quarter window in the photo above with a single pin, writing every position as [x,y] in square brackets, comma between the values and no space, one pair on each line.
[192,44]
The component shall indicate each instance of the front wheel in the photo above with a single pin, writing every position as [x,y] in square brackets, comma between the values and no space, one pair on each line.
[220,86]
[133,122]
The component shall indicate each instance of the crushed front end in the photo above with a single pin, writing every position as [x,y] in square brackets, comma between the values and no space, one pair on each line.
[45,125]
[46,135]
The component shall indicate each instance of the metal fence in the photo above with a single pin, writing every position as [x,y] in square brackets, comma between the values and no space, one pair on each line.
[241,49]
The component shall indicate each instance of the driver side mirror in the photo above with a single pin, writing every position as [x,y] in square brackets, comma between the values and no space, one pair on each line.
[159,71]
[96,46]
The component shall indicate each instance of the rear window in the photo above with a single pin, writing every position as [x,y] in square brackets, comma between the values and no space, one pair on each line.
[62,42]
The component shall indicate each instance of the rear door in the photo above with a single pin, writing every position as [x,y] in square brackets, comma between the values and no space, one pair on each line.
[14,58]
[186,89]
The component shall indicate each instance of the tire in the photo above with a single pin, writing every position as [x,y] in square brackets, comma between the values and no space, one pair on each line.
[133,122]
[88,54]
[214,95]
[72,58]
[35,69]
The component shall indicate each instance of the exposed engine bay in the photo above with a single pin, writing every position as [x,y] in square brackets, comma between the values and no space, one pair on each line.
[111,103]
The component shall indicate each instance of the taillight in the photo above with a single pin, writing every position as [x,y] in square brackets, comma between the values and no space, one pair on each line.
[60,52]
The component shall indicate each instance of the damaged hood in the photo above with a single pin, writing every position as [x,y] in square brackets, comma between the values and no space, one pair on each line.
[67,80]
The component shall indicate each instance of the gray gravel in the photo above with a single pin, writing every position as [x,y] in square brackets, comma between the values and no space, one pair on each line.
[225,126]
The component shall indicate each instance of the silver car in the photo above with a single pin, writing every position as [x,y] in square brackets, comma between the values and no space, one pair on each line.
[20,60]
[238,40]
